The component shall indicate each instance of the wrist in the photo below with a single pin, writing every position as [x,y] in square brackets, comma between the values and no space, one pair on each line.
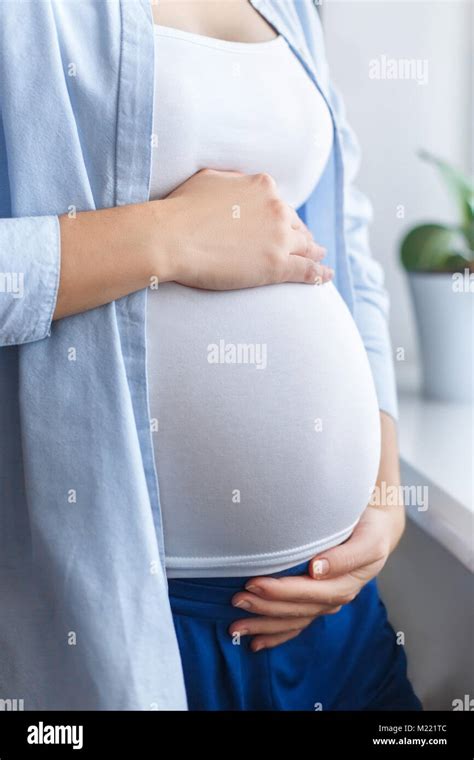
[387,498]
[398,521]
[163,251]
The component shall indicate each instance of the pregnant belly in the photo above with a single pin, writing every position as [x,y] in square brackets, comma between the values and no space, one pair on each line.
[268,437]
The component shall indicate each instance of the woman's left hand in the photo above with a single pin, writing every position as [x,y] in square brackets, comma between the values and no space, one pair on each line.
[284,606]
[290,603]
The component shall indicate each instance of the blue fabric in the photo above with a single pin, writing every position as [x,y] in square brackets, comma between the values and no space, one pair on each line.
[346,661]
[85,618]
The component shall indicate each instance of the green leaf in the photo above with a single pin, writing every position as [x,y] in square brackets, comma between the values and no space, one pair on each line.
[461,187]
[433,247]
[468,232]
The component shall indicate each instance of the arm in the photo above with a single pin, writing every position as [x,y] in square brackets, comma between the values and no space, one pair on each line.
[106,255]
[70,265]
[61,265]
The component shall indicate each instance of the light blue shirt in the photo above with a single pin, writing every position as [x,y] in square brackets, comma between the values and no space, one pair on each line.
[85,619]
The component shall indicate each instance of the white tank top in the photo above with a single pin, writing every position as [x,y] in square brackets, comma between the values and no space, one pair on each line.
[267,444]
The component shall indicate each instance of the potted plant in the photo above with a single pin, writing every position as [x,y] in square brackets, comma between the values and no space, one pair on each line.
[439,260]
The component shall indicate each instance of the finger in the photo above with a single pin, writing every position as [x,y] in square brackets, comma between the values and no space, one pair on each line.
[314,252]
[259,606]
[302,244]
[361,550]
[221,172]
[253,626]
[305,270]
[303,588]
[297,223]
[326,274]
[269,642]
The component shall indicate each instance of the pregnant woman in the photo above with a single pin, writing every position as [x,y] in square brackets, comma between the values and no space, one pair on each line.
[224,427]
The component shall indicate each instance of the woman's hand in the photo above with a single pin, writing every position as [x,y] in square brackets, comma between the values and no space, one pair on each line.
[287,605]
[227,230]
[218,231]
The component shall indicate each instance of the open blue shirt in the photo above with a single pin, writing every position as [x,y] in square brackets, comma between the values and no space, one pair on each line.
[85,621]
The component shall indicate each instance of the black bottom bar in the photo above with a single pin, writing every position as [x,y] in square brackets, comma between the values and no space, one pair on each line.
[375,734]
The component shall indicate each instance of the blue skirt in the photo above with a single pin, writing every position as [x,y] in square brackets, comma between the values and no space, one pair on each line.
[347,661]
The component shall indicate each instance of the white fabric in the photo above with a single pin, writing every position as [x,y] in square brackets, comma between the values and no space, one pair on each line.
[236,105]
[268,440]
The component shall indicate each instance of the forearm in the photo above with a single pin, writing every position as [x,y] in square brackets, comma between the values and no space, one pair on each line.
[389,478]
[191,237]
[108,254]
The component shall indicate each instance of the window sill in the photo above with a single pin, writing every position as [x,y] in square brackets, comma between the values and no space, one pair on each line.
[436,451]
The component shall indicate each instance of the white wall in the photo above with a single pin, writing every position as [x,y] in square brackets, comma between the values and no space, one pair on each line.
[394,118]
[429,599]
[427,591]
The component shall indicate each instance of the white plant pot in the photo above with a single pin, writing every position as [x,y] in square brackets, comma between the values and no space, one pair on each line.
[444,309]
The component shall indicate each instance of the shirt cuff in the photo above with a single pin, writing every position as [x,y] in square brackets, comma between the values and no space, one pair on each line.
[30,260]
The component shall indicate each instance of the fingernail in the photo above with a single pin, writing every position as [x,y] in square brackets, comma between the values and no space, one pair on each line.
[242,603]
[254,590]
[258,647]
[320,567]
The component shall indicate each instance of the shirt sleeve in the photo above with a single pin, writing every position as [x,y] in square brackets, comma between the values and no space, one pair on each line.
[371,300]
[29,277]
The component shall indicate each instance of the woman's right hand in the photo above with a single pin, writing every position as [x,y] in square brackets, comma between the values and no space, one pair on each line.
[226,230]
[218,231]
